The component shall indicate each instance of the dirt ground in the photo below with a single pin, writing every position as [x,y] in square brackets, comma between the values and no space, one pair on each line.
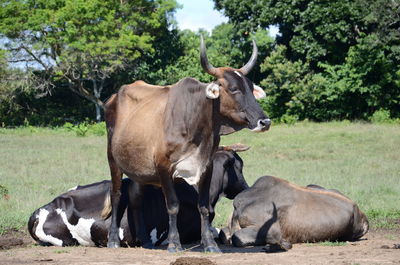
[377,247]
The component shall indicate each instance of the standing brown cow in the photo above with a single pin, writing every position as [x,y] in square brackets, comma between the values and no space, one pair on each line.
[159,133]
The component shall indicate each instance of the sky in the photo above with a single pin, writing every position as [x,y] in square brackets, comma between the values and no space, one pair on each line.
[196,14]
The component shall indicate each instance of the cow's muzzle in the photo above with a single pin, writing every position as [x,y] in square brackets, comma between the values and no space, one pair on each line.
[262,125]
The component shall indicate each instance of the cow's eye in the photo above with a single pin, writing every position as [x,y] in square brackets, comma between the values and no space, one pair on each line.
[233,89]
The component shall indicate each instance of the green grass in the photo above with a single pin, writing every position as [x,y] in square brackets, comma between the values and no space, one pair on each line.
[360,160]
[328,244]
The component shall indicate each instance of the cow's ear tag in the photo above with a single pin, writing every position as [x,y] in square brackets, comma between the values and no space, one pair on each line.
[212,91]
[258,92]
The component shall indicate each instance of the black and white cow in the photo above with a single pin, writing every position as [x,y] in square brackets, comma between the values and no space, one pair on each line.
[75,217]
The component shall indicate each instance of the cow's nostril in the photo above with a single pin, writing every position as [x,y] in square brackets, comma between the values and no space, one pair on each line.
[265,122]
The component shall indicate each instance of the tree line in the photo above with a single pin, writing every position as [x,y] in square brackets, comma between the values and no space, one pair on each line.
[332,60]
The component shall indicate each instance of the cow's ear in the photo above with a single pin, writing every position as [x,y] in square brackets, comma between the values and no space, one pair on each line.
[212,91]
[258,92]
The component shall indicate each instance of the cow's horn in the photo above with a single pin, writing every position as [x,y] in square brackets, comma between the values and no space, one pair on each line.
[250,64]
[203,59]
[234,147]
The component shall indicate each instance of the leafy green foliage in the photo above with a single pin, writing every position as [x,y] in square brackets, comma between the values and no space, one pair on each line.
[312,30]
[83,43]
[382,116]
[331,243]
[14,82]
[339,60]
[224,48]
[333,60]
[86,128]
[4,192]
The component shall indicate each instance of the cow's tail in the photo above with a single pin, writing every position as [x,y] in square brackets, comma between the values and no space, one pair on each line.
[106,212]
[360,223]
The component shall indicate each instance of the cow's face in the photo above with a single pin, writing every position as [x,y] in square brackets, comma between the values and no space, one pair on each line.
[234,181]
[237,96]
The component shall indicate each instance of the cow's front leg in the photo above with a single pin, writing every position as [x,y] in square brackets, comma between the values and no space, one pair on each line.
[172,202]
[207,239]
[135,204]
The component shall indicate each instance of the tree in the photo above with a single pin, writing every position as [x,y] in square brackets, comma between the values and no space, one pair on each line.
[311,30]
[224,48]
[339,59]
[82,42]
[14,82]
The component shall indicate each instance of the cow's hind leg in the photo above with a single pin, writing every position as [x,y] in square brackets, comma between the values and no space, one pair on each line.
[172,202]
[207,238]
[135,204]
[274,240]
[248,236]
[116,173]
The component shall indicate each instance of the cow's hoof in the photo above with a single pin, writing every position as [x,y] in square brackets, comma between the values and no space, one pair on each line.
[113,245]
[273,248]
[224,236]
[212,249]
[174,249]
[148,245]
[285,245]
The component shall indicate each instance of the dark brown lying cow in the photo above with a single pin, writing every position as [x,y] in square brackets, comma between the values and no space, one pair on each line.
[74,218]
[158,134]
[278,213]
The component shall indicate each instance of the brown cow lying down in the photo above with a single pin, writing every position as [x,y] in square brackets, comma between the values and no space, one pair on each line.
[278,213]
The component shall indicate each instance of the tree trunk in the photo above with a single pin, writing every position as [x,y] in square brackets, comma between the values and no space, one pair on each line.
[98,112]
[97,89]
[94,98]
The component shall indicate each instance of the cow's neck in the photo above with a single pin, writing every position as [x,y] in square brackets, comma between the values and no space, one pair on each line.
[190,121]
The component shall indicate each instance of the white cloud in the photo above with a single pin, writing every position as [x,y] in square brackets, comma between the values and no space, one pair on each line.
[201,14]
[198,14]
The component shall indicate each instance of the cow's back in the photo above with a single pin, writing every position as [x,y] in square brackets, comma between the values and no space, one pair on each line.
[316,216]
[303,214]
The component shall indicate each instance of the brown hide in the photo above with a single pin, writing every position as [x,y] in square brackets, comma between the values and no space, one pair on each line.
[155,125]
[275,211]
[157,134]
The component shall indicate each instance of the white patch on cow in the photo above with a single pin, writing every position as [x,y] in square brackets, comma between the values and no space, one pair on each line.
[236,72]
[190,167]
[258,92]
[212,91]
[215,231]
[42,216]
[80,231]
[165,242]
[153,236]
[259,127]
[121,234]
[74,188]
[365,227]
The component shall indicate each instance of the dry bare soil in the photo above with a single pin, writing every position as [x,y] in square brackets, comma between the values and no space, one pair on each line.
[377,247]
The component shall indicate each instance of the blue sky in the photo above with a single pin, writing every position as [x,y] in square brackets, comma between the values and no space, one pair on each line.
[196,14]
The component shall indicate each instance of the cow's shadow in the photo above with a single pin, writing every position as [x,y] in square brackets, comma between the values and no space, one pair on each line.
[224,248]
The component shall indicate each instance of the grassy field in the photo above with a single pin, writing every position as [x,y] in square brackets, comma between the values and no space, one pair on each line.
[361,160]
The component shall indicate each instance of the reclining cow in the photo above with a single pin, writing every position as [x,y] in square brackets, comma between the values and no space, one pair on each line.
[74,218]
[278,213]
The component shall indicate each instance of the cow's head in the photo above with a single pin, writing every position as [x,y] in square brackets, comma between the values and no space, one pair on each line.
[227,179]
[237,95]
